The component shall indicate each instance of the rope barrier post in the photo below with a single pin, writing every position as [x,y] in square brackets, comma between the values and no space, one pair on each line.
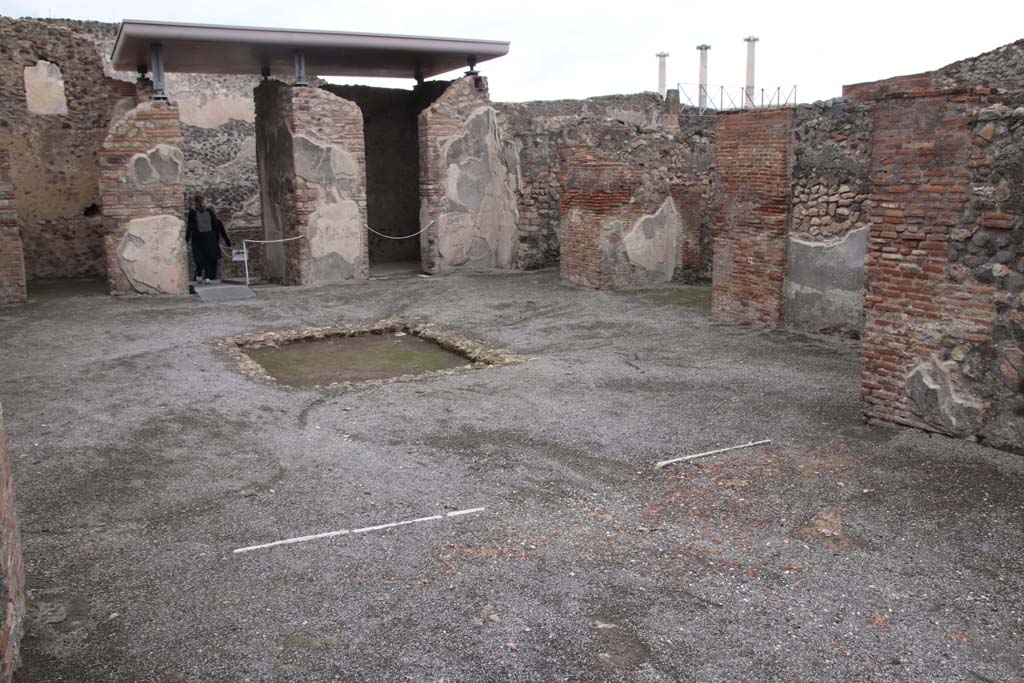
[245,254]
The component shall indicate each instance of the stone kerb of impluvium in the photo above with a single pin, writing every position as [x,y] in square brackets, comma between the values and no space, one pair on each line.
[478,354]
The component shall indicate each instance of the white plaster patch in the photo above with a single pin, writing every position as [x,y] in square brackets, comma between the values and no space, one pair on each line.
[653,242]
[162,164]
[336,229]
[204,110]
[152,255]
[479,226]
[44,89]
[323,163]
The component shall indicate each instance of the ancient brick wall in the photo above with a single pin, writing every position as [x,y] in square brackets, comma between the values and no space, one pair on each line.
[218,138]
[753,160]
[311,164]
[943,333]
[12,265]
[828,238]
[537,129]
[469,182]
[142,189]
[54,148]
[12,572]
[62,234]
[639,219]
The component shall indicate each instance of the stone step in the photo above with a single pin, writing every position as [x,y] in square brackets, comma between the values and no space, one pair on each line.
[221,291]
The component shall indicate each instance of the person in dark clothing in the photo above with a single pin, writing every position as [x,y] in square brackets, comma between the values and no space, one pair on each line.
[205,231]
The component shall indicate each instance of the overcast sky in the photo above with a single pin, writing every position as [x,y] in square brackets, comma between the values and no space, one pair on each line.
[580,49]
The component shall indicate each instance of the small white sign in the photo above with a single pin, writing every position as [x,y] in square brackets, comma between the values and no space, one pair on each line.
[238,255]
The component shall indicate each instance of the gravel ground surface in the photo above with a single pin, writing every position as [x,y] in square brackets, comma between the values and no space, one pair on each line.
[142,458]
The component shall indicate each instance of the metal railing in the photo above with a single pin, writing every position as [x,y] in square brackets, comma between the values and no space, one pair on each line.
[711,98]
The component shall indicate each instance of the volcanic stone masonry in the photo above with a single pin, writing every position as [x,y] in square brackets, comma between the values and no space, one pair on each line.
[538,129]
[824,285]
[469,182]
[312,169]
[944,332]
[12,572]
[12,264]
[142,190]
[631,204]
[58,96]
[56,105]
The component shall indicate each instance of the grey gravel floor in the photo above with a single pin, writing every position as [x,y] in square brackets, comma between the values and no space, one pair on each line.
[142,458]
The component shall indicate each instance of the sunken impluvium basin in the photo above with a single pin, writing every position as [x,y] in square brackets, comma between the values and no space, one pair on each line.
[359,355]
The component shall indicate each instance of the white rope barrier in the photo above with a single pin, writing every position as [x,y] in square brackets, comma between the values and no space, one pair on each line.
[245,249]
[389,237]
[287,239]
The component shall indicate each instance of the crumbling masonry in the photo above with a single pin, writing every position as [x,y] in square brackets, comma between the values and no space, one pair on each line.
[894,214]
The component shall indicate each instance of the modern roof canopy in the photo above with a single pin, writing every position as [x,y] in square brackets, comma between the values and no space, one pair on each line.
[204,48]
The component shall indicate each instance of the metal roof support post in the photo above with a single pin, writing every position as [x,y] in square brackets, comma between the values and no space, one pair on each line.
[156,51]
[300,68]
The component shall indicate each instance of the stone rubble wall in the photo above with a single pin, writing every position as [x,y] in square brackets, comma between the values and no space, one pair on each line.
[61,237]
[470,182]
[12,570]
[311,160]
[827,243]
[12,263]
[538,129]
[142,189]
[1002,68]
[945,321]
[54,155]
[632,203]
[753,159]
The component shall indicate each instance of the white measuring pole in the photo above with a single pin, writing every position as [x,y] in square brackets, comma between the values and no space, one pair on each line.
[363,530]
[663,463]
[245,253]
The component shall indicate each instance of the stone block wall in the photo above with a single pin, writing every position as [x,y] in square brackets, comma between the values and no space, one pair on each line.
[753,158]
[631,205]
[944,317]
[828,237]
[311,164]
[469,182]
[142,189]
[12,571]
[12,264]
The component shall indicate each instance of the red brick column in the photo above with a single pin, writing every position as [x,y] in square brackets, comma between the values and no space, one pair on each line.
[752,156]
[12,263]
[596,196]
[142,177]
[690,201]
[916,311]
[12,572]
